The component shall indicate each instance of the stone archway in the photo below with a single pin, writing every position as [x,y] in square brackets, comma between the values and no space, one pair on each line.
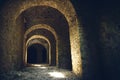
[52,20]
[43,41]
[12,27]
[37,31]
[36,54]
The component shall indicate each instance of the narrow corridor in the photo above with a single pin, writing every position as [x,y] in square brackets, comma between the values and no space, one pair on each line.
[40,73]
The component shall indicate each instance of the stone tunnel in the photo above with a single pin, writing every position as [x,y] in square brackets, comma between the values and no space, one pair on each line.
[78,37]
[39,32]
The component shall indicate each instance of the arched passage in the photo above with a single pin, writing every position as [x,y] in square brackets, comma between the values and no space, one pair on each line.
[54,21]
[39,39]
[36,54]
[48,34]
[13,29]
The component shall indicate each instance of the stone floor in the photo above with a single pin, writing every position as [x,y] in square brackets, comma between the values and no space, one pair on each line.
[40,73]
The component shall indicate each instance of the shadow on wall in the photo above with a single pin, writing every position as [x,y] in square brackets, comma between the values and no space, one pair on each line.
[90,39]
[101,38]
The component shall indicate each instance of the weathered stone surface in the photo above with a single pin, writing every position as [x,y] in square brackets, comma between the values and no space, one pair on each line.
[39,73]
[15,20]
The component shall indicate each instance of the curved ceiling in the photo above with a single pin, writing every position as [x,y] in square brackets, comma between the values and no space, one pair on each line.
[17,18]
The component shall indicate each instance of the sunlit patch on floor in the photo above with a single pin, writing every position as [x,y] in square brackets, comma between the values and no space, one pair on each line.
[37,65]
[43,67]
[56,74]
[40,73]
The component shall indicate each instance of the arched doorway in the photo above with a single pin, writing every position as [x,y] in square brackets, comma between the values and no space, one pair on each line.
[36,54]
[20,19]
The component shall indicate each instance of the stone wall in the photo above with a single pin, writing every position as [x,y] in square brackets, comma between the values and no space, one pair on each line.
[13,28]
[90,45]
[110,38]
[100,38]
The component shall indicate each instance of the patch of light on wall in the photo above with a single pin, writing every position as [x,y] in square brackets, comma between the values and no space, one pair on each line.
[56,74]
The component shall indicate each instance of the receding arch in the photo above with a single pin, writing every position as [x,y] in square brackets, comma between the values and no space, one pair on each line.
[34,44]
[41,26]
[37,54]
[57,21]
[46,27]
[65,7]
[35,37]
[37,40]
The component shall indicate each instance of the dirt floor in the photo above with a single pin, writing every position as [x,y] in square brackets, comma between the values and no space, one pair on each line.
[39,73]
